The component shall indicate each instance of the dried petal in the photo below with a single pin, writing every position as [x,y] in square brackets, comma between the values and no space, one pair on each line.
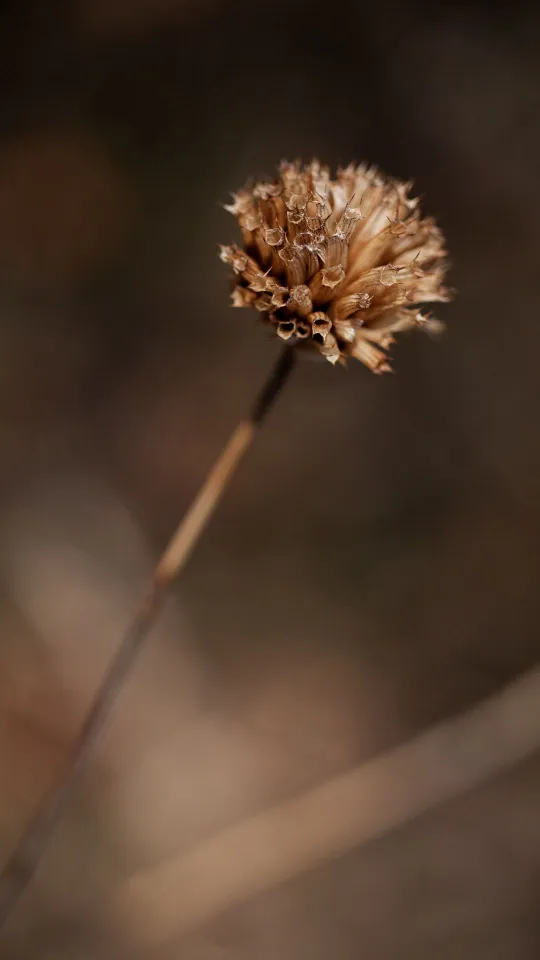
[280,297]
[274,236]
[324,283]
[241,297]
[286,329]
[345,330]
[294,266]
[258,284]
[330,349]
[321,325]
[334,251]
[263,303]
[303,329]
[300,302]
[369,354]
[347,306]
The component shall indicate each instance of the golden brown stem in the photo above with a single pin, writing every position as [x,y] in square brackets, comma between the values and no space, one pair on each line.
[202,508]
[21,867]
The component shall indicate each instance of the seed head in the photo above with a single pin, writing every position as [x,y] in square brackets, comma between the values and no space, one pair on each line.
[337,265]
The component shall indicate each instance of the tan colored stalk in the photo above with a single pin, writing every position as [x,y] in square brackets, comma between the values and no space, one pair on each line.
[19,870]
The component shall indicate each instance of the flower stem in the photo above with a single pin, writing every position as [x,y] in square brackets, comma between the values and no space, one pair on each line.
[21,867]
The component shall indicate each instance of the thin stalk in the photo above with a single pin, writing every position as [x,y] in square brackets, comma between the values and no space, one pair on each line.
[19,870]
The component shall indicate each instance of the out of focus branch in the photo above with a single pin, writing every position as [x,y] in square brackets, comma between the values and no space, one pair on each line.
[369,801]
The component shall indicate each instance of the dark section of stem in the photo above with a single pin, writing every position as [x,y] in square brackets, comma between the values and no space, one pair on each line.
[273,385]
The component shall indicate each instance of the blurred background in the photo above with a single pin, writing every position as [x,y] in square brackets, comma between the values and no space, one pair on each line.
[374,565]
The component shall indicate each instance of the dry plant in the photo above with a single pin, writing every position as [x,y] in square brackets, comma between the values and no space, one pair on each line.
[334,266]
[339,265]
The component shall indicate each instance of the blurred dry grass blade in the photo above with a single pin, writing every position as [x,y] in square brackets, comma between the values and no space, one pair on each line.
[369,801]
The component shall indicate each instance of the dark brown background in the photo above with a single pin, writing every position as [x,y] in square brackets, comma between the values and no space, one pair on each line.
[374,565]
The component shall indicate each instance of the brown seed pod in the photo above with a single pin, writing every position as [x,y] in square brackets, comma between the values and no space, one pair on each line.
[338,265]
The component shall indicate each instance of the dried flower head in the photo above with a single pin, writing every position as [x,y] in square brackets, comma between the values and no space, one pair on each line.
[341,265]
